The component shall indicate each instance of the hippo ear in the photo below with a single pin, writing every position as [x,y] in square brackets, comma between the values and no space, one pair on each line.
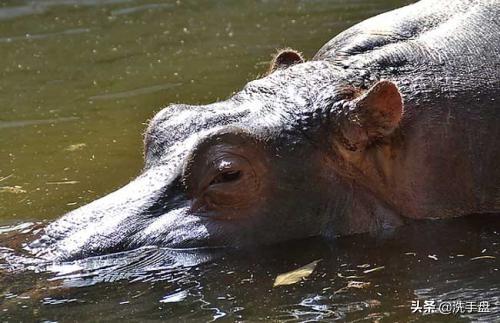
[375,114]
[285,58]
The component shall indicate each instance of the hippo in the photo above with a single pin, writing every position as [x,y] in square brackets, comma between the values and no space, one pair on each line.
[394,120]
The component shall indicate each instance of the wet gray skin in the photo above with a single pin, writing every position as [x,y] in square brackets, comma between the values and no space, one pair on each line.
[395,118]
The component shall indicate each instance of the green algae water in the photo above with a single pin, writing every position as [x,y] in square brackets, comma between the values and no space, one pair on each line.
[79,80]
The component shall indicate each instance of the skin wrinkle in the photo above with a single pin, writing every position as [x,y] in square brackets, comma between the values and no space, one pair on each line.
[339,153]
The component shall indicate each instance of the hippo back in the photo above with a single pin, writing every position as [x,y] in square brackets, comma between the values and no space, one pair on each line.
[457,35]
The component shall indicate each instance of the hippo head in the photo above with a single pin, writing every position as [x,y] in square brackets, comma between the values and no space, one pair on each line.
[267,165]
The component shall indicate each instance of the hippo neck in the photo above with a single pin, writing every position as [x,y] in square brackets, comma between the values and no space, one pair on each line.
[435,155]
[437,163]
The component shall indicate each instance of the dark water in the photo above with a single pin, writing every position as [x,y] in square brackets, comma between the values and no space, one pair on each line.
[79,78]
[446,261]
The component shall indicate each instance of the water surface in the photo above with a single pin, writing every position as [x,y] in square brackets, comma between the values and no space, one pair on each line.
[79,80]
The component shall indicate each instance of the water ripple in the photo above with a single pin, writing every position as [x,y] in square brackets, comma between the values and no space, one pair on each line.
[135,92]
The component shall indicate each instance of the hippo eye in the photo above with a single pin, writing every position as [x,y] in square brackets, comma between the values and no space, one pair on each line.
[227,177]
[223,178]
[230,182]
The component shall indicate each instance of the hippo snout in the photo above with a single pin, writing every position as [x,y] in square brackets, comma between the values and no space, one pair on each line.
[104,225]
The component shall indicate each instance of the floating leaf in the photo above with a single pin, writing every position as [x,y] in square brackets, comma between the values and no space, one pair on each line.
[296,275]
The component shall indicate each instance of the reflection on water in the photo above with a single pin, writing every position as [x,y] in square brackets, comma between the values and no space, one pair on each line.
[126,94]
[22,123]
[359,278]
[79,78]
